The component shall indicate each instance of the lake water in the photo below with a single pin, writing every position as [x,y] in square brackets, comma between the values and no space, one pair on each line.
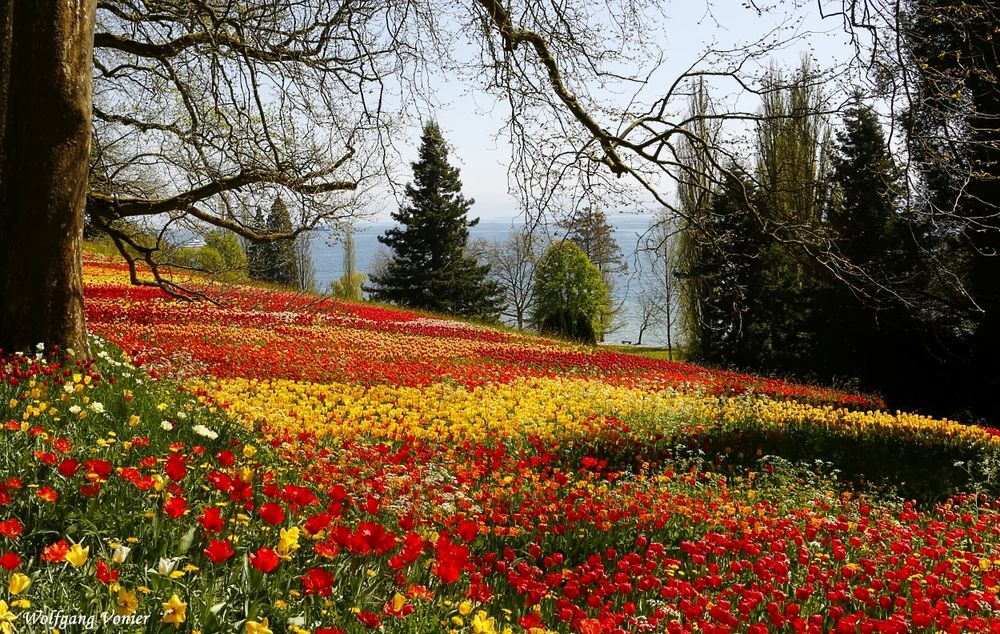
[629,232]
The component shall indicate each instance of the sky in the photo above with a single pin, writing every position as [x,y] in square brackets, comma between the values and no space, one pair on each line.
[471,121]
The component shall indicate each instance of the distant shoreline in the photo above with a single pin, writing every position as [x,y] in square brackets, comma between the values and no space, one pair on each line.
[327,253]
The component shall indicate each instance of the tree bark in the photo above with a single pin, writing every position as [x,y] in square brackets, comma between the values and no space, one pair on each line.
[46,64]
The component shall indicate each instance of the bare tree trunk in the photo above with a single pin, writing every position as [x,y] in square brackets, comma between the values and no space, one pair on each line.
[45,104]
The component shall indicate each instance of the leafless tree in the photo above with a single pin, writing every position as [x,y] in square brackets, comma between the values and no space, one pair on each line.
[659,292]
[204,109]
[512,265]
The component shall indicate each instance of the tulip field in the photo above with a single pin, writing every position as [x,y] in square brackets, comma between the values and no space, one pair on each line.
[281,462]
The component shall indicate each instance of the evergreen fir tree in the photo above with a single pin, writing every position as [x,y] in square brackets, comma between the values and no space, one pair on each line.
[589,229]
[430,269]
[721,275]
[282,268]
[259,254]
[285,261]
[868,337]
[864,218]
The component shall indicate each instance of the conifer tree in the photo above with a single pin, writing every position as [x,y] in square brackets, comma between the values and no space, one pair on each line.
[283,267]
[866,337]
[258,253]
[430,269]
[721,275]
[588,228]
[286,261]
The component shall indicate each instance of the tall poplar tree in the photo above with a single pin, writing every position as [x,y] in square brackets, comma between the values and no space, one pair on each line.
[701,262]
[430,269]
[792,172]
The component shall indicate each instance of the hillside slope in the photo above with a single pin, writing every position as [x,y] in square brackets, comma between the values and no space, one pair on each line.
[285,462]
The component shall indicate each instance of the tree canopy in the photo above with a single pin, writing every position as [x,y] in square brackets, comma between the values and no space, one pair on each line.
[570,298]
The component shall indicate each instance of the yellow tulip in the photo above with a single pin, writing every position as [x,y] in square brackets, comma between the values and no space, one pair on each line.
[288,541]
[77,555]
[6,618]
[483,624]
[18,583]
[253,627]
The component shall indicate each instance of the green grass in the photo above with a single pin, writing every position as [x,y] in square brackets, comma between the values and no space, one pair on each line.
[653,352]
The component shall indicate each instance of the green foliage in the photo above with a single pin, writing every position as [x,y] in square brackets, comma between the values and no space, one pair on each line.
[430,269]
[348,286]
[758,301]
[570,296]
[221,256]
[719,264]
[793,141]
[793,168]
[228,254]
[749,294]
[696,258]
[588,228]
[953,139]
